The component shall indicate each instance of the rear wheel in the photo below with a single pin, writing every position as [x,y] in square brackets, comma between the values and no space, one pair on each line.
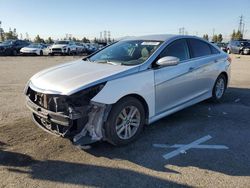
[219,88]
[41,53]
[68,52]
[125,121]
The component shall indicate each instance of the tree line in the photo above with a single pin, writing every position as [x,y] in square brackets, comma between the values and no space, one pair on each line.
[219,38]
[12,34]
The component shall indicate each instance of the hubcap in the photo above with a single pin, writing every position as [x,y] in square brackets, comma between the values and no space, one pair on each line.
[128,122]
[219,88]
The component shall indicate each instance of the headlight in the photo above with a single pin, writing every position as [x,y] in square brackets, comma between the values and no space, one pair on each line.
[26,87]
[83,97]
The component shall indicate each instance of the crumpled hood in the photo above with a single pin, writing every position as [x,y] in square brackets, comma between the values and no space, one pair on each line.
[58,45]
[69,78]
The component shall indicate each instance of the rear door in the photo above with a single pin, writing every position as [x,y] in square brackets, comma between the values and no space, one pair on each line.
[205,57]
[175,85]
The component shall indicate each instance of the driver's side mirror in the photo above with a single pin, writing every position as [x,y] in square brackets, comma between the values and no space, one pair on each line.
[168,61]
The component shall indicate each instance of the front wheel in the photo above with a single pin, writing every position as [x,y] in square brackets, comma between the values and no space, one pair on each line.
[219,88]
[125,121]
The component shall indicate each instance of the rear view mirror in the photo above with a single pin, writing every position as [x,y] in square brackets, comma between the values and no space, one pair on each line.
[168,61]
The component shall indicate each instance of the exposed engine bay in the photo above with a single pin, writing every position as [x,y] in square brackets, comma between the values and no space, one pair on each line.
[74,117]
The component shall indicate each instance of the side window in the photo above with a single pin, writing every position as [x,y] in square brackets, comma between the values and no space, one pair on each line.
[214,50]
[17,42]
[178,48]
[199,48]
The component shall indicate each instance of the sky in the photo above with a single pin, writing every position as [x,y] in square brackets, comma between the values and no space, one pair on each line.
[88,18]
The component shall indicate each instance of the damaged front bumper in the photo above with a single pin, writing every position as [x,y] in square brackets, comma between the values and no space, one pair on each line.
[53,122]
[82,122]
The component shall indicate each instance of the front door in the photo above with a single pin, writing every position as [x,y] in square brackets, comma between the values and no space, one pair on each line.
[175,85]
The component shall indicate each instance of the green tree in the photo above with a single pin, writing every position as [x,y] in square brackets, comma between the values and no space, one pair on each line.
[95,40]
[205,36]
[219,38]
[238,35]
[1,34]
[10,35]
[38,39]
[49,41]
[215,38]
[233,35]
[85,40]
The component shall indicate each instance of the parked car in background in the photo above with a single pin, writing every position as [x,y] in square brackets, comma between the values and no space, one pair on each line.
[34,49]
[238,47]
[222,46]
[91,48]
[110,95]
[63,47]
[12,47]
[80,48]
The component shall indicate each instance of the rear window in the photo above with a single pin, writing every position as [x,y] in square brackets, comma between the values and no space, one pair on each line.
[199,48]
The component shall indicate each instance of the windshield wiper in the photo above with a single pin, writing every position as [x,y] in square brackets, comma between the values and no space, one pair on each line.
[106,61]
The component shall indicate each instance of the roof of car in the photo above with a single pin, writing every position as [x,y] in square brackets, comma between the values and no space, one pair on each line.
[160,37]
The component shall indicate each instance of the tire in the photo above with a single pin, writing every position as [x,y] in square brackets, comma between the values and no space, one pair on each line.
[120,129]
[14,53]
[41,53]
[68,52]
[219,88]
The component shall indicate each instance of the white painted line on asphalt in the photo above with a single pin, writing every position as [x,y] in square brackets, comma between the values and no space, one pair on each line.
[182,148]
[196,147]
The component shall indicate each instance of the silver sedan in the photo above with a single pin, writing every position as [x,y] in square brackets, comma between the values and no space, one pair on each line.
[113,93]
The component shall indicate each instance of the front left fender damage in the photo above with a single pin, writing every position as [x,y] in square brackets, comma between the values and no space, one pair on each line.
[74,117]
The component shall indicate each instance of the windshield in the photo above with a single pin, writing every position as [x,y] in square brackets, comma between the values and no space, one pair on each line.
[132,52]
[244,43]
[62,42]
[34,45]
[8,42]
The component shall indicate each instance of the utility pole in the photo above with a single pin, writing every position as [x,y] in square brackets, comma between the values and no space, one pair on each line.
[182,30]
[100,36]
[241,24]
[109,34]
[105,36]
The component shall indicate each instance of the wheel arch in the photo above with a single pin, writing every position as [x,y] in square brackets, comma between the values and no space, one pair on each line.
[143,102]
[226,76]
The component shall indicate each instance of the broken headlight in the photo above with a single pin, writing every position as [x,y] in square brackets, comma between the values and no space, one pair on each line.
[82,98]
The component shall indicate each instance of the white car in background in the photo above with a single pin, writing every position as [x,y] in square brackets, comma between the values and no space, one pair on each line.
[110,95]
[63,47]
[33,49]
